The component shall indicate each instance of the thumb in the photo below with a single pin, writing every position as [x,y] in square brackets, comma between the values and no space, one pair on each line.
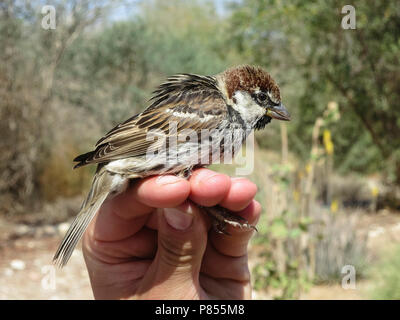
[182,240]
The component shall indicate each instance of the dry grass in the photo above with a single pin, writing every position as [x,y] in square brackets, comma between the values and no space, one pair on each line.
[57,178]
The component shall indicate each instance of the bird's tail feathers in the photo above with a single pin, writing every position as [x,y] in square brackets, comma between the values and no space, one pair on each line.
[101,187]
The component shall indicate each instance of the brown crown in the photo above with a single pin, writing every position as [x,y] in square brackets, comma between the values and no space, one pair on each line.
[248,78]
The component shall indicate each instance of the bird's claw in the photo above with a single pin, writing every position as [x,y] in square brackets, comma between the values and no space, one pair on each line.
[222,217]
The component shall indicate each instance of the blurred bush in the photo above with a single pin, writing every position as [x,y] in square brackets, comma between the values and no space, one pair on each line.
[385,276]
[61,89]
[316,60]
[304,238]
[57,180]
[338,244]
[103,70]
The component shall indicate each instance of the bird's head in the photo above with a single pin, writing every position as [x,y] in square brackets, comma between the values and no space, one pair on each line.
[253,94]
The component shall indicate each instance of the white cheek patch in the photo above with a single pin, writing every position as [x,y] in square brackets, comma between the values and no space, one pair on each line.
[248,109]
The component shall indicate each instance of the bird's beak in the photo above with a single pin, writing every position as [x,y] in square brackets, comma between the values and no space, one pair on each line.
[278,112]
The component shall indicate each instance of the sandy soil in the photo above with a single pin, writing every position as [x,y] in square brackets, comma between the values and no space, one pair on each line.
[26,272]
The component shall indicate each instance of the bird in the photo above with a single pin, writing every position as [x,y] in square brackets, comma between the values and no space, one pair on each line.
[191,121]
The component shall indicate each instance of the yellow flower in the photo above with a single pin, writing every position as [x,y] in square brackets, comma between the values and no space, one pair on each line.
[334,206]
[328,142]
[296,195]
[374,191]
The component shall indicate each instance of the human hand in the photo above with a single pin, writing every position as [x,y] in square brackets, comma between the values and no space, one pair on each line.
[152,241]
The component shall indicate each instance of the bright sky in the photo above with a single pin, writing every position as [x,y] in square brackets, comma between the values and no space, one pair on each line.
[125,11]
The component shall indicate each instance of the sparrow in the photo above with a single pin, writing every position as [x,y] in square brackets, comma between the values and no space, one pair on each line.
[192,121]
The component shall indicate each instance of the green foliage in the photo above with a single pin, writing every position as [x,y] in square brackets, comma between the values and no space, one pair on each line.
[87,75]
[290,283]
[290,278]
[386,276]
[318,61]
[284,272]
[122,63]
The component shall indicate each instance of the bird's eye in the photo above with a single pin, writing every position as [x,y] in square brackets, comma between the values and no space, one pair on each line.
[261,97]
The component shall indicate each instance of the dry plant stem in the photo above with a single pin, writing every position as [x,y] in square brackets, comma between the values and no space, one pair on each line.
[284,139]
[310,177]
[305,212]
[280,249]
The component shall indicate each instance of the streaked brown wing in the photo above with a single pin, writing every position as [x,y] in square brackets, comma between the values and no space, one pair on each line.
[198,108]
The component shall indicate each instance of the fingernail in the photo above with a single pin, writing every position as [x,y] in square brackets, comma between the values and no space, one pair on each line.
[177,219]
[163,180]
[207,175]
[238,178]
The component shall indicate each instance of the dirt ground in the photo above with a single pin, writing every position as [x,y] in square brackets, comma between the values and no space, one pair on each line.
[26,271]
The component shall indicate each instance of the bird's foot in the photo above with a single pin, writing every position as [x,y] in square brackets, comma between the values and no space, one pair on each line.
[222,217]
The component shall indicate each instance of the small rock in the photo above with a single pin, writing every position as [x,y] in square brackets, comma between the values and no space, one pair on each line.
[49,230]
[22,229]
[17,264]
[63,227]
[376,232]
[8,272]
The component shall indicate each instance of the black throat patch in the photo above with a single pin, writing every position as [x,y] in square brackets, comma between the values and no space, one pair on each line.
[262,123]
